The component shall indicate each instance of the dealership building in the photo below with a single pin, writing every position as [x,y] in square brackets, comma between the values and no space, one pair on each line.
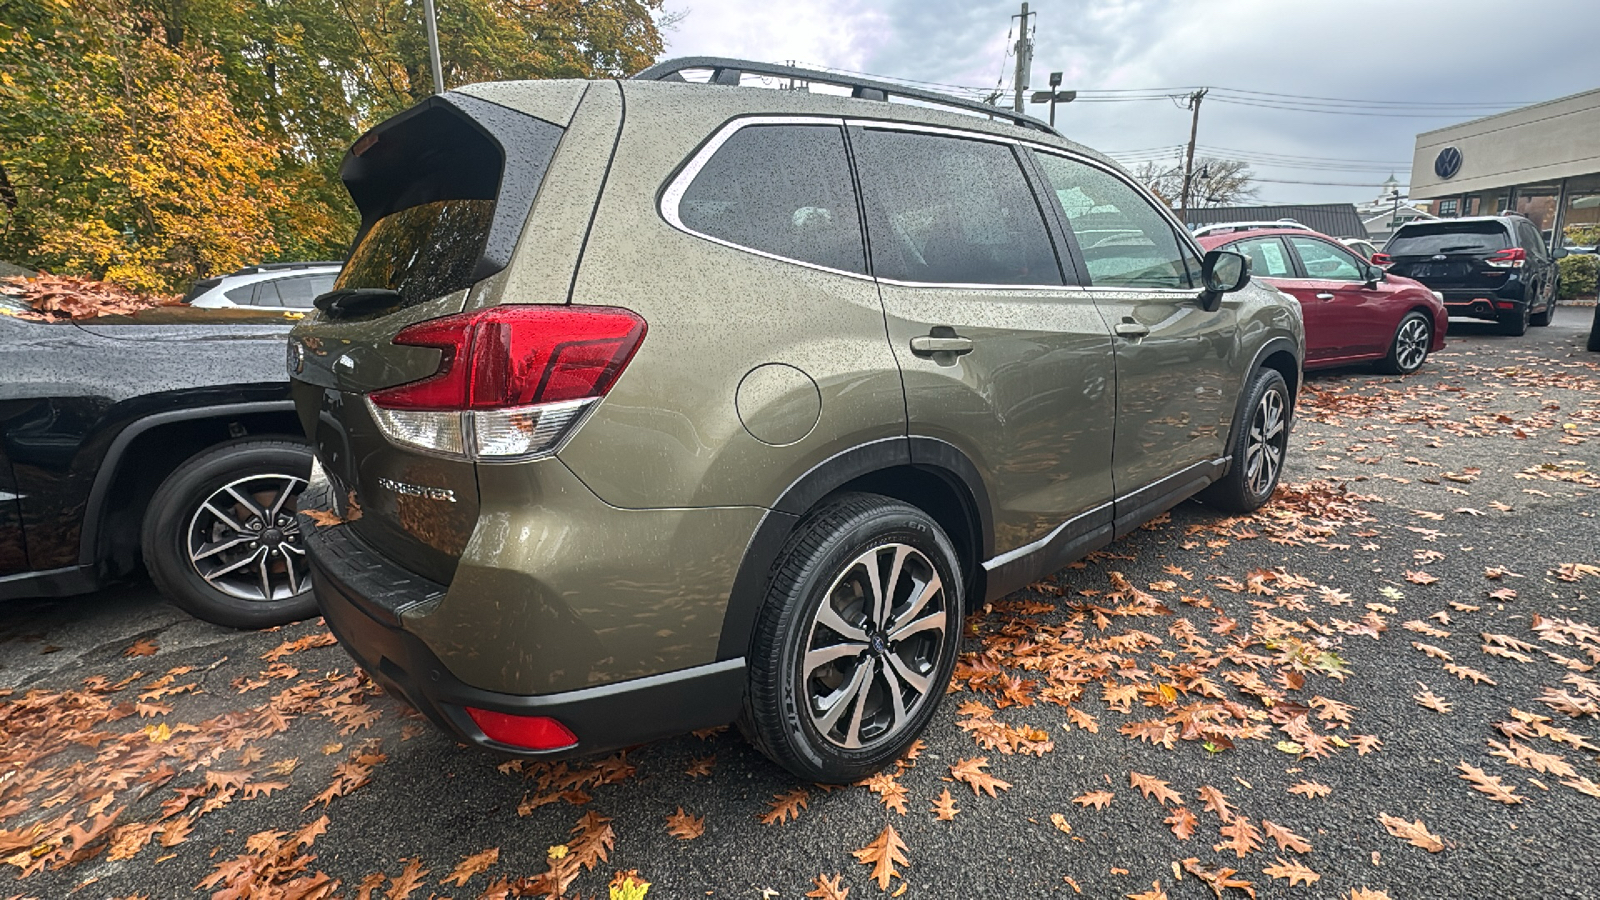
[1542,161]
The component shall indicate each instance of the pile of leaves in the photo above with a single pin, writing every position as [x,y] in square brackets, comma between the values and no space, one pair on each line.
[56,298]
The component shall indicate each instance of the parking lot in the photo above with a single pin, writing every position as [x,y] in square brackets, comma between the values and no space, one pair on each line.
[1208,707]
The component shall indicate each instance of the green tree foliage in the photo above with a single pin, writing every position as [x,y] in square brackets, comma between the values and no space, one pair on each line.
[152,142]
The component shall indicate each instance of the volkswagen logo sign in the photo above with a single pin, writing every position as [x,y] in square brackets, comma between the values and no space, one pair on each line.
[1447,163]
[297,357]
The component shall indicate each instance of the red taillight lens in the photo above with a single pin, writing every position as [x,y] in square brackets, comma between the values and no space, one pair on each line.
[1382,259]
[509,356]
[512,382]
[1512,258]
[527,732]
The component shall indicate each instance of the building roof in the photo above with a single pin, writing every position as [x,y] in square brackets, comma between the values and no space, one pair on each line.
[1334,219]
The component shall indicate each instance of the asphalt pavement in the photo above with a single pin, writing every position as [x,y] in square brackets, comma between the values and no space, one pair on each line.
[1425,595]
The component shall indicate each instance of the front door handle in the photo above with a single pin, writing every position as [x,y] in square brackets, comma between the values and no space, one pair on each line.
[1324,296]
[1132,330]
[927,345]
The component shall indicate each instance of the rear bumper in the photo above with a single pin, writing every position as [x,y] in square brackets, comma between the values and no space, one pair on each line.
[1479,303]
[364,598]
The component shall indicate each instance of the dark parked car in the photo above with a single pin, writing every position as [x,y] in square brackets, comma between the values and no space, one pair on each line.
[1487,267]
[165,438]
[709,417]
[1594,330]
[1354,311]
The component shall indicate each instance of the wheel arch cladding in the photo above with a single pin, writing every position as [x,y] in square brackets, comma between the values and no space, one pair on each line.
[145,453]
[924,472]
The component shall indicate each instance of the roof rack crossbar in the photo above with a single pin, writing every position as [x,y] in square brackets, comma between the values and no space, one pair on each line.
[727,71]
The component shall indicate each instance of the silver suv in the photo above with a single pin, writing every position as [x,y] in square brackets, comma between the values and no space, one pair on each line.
[267,286]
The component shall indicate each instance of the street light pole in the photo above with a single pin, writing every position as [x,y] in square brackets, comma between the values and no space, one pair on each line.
[1054,96]
[433,46]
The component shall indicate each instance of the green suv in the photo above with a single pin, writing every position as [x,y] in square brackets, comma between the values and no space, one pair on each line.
[645,406]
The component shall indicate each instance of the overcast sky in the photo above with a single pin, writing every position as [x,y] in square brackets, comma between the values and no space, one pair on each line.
[1465,58]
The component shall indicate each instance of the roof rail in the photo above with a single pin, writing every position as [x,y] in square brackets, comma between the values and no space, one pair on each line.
[726,71]
[277,266]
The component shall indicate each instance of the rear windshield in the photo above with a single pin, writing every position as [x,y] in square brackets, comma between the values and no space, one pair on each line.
[422,251]
[1448,237]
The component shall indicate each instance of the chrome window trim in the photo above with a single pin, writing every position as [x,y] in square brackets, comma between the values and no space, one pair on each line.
[673,195]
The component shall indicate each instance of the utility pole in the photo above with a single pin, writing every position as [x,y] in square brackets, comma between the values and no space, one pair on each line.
[1024,51]
[433,47]
[1188,158]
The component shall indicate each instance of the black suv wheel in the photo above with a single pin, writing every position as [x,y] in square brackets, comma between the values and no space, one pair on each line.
[1515,323]
[1260,440]
[220,537]
[856,642]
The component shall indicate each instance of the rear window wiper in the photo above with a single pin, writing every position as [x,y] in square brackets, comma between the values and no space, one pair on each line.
[354,301]
[1462,247]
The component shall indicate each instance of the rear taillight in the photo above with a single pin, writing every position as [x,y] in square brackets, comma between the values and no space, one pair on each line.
[527,732]
[512,380]
[1508,259]
[1382,259]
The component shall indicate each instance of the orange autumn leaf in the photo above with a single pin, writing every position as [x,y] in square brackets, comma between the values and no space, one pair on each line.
[472,865]
[1311,789]
[826,888]
[685,827]
[1096,799]
[1415,833]
[1286,839]
[141,647]
[1183,823]
[884,853]
[1242,837]
[1151,786]
[1155,893]
[1215,801]
[944,807]
[970,772]
[1293,872]
[786,806]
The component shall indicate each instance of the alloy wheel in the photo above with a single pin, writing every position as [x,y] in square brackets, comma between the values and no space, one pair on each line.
[244,540]
[1411,344]
[874,646]
[1267,440]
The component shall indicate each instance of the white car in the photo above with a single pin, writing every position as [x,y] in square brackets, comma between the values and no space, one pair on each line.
[1222,227]
[267,286]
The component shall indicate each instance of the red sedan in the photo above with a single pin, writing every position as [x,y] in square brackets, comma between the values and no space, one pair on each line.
[1354,311]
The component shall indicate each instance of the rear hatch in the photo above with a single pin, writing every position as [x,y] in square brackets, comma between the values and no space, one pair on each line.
[442,210]
[1449,255]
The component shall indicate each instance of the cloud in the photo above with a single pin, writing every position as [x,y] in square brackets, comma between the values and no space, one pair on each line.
[1377,50]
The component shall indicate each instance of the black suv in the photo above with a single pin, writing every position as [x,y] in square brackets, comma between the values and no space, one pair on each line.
[165,438]
[1488,267]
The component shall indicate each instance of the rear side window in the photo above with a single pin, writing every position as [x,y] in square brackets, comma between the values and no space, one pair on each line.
[947,210]
[780,189]
[1266,255]
[1125,241]
[1448,237]
[244,295]
[1323,260]
[299,291]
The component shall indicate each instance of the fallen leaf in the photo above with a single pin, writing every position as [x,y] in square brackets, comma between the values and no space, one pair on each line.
[883,854]
[1294,872]
[141,647]
[786,806]
[1150,786]
[472,865]
[944,807]
[1414,833]
[685,827]
[826,888]
[1096,799]
[969,771]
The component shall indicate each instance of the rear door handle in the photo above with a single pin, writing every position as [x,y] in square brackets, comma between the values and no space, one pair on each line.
[1132,330]
[1324,296]
[927,345]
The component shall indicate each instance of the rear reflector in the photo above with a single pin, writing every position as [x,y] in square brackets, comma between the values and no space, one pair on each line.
[527,732]
[1505,305]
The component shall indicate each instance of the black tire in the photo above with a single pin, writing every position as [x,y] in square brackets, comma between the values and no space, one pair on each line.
[1544,316]
[1406,355]
[1516,322]
[260,470]
[785,714]
[1243,489]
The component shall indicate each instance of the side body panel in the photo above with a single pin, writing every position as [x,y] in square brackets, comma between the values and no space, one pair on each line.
[670,432]
[70,390]
[1176,386]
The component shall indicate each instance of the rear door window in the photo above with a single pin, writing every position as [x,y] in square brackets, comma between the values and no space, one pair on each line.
[1124,240]
[1448,237]
[783,190]
[948,210]
[1267,257]
[1327,262]
[299,291]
